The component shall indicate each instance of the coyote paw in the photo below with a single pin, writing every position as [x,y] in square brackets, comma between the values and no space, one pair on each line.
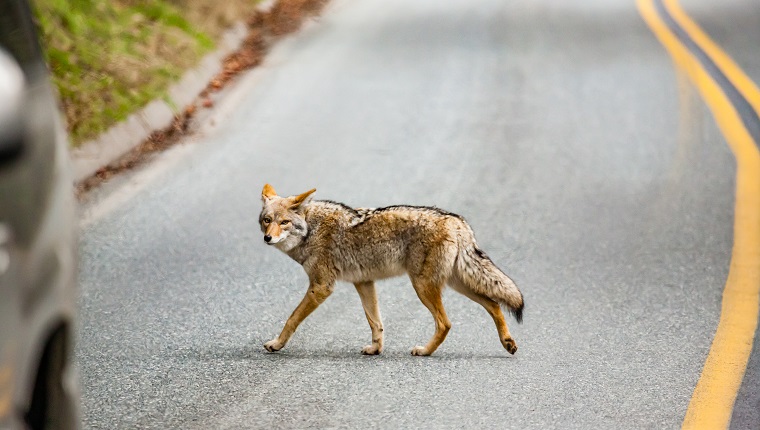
[420,351]
[373,349]
[510,345]
[273,345]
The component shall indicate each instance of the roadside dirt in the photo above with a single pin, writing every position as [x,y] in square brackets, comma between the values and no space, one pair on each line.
[264,29]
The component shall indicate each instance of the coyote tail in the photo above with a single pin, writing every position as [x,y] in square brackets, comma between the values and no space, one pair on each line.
[475,270]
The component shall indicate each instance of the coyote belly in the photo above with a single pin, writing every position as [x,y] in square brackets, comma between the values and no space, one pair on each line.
[334,242]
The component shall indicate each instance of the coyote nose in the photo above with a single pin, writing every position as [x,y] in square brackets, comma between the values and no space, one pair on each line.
[267,238]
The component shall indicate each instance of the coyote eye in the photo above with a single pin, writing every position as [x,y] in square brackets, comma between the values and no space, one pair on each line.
[285,222]
[267,220]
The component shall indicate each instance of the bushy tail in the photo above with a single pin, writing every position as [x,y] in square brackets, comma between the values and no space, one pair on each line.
[478,273]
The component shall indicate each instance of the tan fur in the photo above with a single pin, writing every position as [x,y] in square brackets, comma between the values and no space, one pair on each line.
[334,242]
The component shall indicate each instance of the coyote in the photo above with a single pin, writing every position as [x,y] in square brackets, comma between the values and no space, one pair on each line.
[334,242]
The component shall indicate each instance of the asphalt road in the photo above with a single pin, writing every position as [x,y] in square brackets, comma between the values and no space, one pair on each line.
[589,168]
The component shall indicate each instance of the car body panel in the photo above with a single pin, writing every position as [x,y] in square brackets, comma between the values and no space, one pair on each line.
[38,249]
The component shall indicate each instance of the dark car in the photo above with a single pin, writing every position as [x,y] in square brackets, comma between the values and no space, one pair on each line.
[38,257]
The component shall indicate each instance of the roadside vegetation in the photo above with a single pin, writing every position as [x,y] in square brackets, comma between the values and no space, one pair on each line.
[264,27]
[110,58]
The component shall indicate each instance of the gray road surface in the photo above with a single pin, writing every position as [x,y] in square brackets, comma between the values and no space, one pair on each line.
[590,170]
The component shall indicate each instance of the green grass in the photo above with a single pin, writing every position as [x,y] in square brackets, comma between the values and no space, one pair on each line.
[110,58]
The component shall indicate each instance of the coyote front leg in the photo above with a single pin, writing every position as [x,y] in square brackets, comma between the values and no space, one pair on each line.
[368,295]
[317,293]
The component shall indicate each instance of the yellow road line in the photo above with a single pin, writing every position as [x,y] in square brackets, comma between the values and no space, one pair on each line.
[727,65]
[713,399]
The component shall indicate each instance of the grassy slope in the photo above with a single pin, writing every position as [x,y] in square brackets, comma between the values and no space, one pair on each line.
[110,58]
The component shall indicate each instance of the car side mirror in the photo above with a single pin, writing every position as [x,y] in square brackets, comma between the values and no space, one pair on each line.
[12,90]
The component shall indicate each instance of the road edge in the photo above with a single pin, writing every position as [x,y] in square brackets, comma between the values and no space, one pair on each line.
[88,158]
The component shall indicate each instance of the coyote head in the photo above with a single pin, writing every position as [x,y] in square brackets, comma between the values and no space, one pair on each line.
[281,219]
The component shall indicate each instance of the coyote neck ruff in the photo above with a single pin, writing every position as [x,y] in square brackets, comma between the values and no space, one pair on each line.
[334,242]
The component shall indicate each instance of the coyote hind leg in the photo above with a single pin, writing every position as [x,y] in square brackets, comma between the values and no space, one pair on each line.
[494,310]
[430,293]
[368,296]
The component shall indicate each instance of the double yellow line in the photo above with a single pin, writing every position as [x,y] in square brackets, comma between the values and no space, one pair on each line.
[735,103]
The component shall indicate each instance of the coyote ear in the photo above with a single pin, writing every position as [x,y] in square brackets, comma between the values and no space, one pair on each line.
[268,192]
[296,201]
